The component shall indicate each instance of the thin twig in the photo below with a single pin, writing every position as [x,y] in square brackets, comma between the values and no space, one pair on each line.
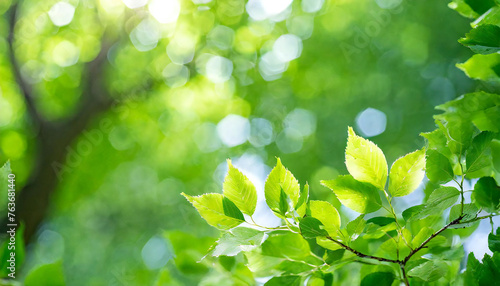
[405,277]
[400,229]
[456,221]
[362,255]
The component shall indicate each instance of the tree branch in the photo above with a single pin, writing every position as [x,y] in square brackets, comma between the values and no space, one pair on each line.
[405,277]
[26,88]
[456,221]
[362,255]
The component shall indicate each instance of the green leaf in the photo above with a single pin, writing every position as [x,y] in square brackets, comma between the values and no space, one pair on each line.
[442,198]
[438,167]
[356,195]
[213,210]
[237,240]
[461,7]
[289,280]
[410,212]
[439,200]
[355,228]
[480,6]
[482,67]
[457,129]
[486,273]
[365,161]
[333,256]
[293,267]
[46,275]
[327,215]
[227,262]
[476,156]
[283,206]
[381,220]
[429,271]
[470,212]
[495,154]
[494,241]
[479,107]
[240,190]
[484,39]
[437,140]
[311,227]
[231,210]
[262,265]
[487,194]
[286,245]
[378,278]
[423,234]
[374,231]
[303,199]
[188,250]
[280,178]
[407,173]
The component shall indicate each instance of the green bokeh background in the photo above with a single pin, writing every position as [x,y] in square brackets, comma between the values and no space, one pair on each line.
[124,193]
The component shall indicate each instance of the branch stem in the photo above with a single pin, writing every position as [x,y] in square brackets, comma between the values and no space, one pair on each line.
[405,277]
[456,221]
[359,254]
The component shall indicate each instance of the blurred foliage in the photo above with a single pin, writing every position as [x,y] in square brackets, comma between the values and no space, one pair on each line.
[202,86]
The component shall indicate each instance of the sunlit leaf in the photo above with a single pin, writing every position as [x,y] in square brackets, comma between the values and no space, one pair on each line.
[482,67]
[407,173]
[355,227]
[484,39]
[365,161]
[211,208]
[240,190]
[311,228]
[327,215]
[286,245]
[283,205]
[303,199]
[358,196]
[280,178]
[237,240]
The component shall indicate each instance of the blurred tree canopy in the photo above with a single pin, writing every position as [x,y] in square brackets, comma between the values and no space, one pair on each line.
[110,109]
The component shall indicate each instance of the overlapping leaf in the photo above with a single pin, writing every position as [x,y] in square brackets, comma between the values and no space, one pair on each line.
[217,213]
[281,179]
[240,190]
[356,195]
